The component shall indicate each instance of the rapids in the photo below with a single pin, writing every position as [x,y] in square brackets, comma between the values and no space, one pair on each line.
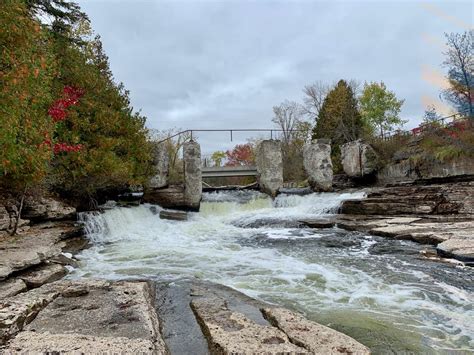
[379,291]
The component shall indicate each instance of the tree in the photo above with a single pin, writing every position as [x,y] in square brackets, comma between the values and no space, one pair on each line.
[460,64]
[242,154]
[217,157]
[431,115]
[380,108]
[286,116]
[339,120]
[339,117]
[314,98]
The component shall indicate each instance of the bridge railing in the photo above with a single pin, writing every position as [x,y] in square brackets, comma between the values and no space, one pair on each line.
[442,122]
[271,131]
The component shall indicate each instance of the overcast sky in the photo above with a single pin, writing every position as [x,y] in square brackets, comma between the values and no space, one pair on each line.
[225,64]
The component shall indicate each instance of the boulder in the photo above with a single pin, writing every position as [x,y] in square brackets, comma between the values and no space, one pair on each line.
[46,208]
[318,165]
[269,166]
[174,215]
[358,159]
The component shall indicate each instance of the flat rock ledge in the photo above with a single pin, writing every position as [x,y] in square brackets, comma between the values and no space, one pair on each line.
[205,318]
[82,317]
[437,214]
[145,317]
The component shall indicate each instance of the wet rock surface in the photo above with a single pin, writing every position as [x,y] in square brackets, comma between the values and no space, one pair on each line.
[314,337]
[200,318]
[441,215]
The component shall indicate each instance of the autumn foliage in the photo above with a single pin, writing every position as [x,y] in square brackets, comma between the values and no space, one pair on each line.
[242,154]
[65,123]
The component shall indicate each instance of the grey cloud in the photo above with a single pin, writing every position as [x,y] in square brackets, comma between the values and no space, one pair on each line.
[221,64]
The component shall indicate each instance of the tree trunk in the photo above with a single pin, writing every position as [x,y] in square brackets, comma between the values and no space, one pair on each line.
[18,216]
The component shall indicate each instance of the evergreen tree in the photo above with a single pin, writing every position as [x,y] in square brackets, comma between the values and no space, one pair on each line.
[339,119]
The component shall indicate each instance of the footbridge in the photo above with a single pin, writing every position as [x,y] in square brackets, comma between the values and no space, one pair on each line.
[228,171]
[268,169]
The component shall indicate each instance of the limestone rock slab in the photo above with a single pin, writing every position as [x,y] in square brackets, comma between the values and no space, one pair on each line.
[11,287]
[314,337]
[43,274]
[231,332]
[104,316]
[46,208]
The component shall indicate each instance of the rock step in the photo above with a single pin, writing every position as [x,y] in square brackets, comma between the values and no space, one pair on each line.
[82,317]
[201,317]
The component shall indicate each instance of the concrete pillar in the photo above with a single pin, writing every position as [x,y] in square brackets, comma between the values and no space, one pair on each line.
[161,166]
[270,166]
[318,165]
[192,175]
[358,159]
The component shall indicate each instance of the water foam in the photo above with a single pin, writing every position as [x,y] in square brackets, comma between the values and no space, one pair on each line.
[303,268]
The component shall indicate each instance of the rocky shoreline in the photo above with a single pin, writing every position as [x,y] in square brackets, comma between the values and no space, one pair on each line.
[441,215]
[39,312]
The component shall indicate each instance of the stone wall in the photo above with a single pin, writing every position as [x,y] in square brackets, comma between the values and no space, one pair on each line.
[270,166]
[192,175]
[407,170]
[318,165]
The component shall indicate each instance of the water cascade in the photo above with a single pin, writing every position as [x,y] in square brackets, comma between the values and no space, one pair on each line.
[375,289]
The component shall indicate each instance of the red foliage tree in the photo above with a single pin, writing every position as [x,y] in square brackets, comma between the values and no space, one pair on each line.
[242,154]
[57,112]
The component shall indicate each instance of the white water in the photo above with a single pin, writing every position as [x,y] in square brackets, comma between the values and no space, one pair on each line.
[390,301]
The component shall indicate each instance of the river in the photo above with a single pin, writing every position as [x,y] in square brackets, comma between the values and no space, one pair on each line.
[377,290]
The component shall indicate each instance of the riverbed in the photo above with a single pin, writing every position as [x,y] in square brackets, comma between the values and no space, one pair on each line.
[379,291]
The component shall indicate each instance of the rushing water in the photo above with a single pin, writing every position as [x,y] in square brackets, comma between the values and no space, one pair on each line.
[378,290]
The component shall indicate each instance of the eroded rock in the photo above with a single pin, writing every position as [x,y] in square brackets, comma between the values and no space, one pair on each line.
[46,208]
[231,332]
[43,274]
[314,337]
[11,287]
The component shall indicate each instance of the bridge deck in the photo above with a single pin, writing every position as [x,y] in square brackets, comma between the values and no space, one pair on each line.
[228,171]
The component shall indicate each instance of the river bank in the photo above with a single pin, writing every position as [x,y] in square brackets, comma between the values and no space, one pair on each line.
[246,241]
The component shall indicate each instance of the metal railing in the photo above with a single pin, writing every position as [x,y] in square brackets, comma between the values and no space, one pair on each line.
[442,122]
[231,131]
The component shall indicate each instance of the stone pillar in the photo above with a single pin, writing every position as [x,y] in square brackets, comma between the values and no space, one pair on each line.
[161,166]
[270,166]
[192,175]
[318,165]
[358,159]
